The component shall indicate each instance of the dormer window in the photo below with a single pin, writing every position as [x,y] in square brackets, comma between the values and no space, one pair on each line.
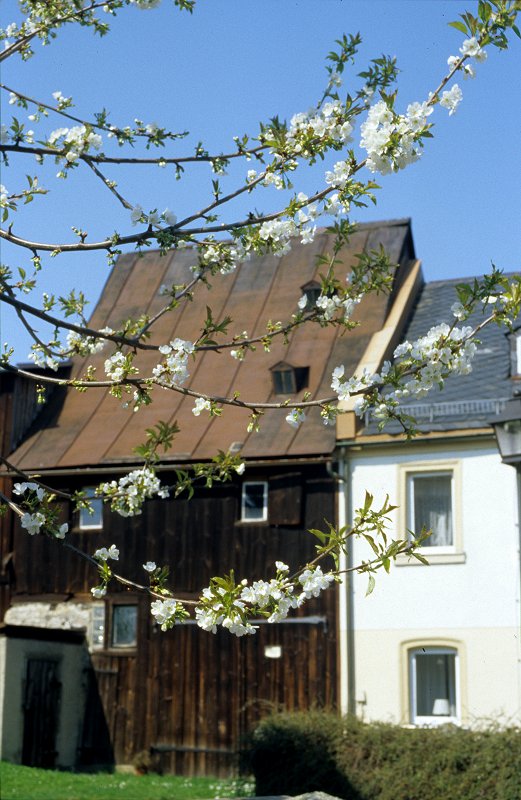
[312,290]
[288,379]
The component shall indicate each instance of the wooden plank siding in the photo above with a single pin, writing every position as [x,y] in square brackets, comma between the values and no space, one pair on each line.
[189,695]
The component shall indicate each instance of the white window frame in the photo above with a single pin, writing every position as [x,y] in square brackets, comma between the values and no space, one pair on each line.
[416,527]
[435,554]
[244,508]
[97,626]
[433,720]
[86,521]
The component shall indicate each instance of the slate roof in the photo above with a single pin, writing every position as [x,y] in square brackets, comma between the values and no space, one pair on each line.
[93,429]
[466,401]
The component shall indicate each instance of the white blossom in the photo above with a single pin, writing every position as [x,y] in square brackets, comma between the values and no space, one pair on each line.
[340,174]
[451,99]
[150,566]
[458,310]
[295,418]
[163,611]
[173,370]
[201,404]
[315,581]
[29,486]
[104,554]
[129,493]
[472,48]
[136,214]
[169,217]
[32,522]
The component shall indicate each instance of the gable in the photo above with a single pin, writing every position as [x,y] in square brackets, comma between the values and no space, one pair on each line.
[92,428]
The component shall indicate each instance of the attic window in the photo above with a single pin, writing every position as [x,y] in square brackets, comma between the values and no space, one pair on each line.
[288,379]
[312,290]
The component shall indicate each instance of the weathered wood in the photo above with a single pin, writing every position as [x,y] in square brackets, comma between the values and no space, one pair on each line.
[190,694]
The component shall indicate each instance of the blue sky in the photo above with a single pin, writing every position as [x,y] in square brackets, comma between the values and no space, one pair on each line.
[234,63]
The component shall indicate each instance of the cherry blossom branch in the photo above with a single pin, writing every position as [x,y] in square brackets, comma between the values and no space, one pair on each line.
[56,22]
[111,129]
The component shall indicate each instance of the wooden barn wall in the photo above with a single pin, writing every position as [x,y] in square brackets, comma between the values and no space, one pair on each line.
[189,695]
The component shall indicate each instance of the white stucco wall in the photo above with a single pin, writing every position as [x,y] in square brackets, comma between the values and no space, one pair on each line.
[476,603]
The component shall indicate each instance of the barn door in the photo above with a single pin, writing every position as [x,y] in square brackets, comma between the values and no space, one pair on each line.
[41,709]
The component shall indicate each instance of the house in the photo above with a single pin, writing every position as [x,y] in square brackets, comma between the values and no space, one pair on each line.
[186,695]
[441,643]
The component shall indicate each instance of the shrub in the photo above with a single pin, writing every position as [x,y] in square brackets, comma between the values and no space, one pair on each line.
[296,753]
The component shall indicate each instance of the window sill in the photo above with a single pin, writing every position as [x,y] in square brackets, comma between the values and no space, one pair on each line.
[432,558]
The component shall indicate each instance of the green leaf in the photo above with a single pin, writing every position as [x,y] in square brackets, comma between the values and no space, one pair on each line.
[460,26]
[370,585]
[319,534]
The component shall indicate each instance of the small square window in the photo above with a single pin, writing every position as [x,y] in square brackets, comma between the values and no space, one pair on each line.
[124,626]
[94,520]
[254,505]
[430,506]
[433,685]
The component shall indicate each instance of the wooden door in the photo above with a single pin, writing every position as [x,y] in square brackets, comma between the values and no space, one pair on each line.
[41,710]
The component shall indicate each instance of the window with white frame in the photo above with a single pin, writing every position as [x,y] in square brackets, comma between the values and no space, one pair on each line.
[96,633]
[430,505]
[433,685]
[91,519]
[254,501]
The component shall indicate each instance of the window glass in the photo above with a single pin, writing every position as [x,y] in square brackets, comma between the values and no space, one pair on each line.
[97,627]
[433,685]
[94,520]
[430,506]
[124,626]
[312,293]
[284,381]
[254,501]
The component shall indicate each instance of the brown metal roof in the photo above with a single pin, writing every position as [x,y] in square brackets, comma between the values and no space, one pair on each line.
[92,428]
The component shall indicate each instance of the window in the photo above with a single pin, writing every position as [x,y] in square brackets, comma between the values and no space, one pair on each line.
[97,626]
[284,381]
[433,685]
[254,504]
[430,497]
[124,626]
[312,290]
[288,379]
[430,505]
[94,520]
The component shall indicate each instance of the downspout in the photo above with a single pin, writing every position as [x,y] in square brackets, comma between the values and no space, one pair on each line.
[346,643]
[517,467]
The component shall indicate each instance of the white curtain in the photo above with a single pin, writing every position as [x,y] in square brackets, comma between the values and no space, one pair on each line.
[435,681]
[433,508]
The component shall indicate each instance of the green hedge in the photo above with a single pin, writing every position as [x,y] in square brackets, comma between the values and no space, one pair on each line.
[296,753]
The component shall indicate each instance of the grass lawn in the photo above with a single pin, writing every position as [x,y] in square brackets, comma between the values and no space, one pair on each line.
[26,783]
